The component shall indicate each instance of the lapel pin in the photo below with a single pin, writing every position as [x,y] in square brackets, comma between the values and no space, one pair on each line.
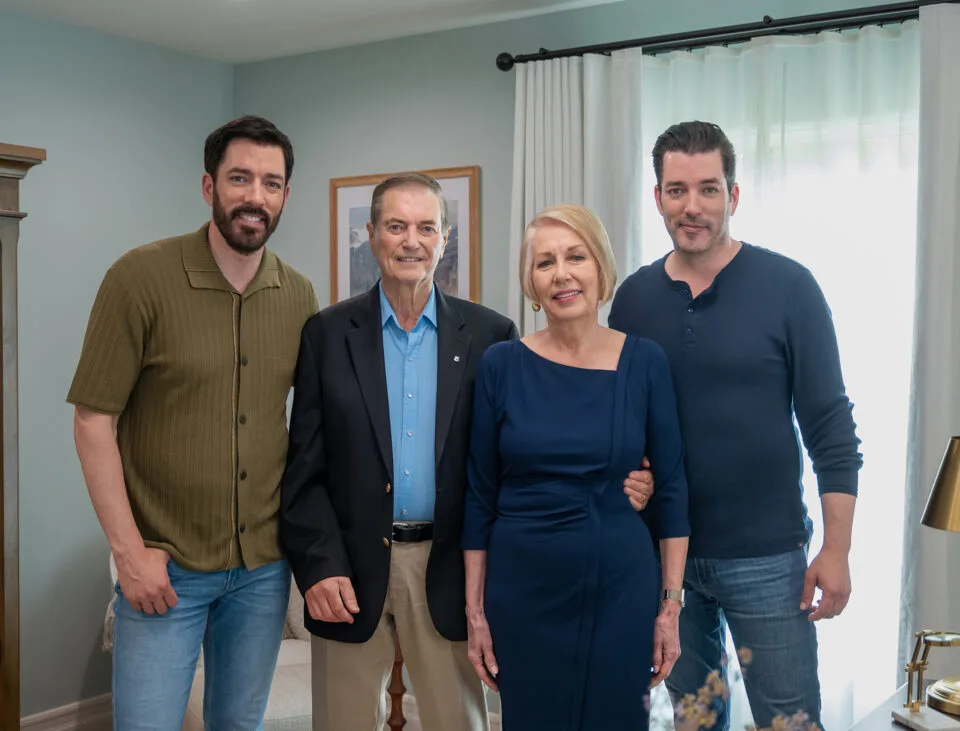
[456,359]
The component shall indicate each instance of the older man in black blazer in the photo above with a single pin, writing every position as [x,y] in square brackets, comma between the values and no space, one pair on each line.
[372,497]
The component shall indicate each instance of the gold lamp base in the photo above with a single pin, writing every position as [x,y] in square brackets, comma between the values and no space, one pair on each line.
[944,695]
[941,712]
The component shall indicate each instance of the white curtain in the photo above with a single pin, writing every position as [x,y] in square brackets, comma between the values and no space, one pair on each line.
[931,567]
[575,141]
[826,133]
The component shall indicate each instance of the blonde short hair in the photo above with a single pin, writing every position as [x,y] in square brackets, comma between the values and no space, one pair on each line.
[585,224]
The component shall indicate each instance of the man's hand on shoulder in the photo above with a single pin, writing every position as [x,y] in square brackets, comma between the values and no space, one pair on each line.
[332,600]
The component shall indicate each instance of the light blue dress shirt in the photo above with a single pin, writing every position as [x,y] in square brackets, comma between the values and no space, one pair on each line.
[410,361]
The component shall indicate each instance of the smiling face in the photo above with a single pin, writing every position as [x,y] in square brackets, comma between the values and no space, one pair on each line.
[248,194]
[408,239]
[565,275]
[694,201]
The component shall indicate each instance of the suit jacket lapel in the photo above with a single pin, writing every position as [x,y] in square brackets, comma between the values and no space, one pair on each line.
[453,349]
[366,352]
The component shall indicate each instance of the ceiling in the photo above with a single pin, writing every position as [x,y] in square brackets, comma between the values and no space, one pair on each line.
[238,31]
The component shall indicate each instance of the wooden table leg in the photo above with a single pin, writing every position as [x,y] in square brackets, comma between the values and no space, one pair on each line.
[395,692]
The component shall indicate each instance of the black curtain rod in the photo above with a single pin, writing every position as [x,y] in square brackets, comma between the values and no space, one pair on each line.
[839,20]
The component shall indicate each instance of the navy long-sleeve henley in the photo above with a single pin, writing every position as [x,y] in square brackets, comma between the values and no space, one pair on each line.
[747,355]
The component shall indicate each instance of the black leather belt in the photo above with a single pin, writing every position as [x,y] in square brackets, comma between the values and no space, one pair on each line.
[412,532]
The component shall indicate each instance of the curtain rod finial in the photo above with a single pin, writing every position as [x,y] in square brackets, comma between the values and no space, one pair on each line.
[505,61]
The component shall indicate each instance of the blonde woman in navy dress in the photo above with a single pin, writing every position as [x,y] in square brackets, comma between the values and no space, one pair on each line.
[566,612]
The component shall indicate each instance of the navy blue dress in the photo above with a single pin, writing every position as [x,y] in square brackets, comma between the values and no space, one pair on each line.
[572,586]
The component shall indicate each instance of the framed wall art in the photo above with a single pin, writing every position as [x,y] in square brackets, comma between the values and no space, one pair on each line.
[353,269]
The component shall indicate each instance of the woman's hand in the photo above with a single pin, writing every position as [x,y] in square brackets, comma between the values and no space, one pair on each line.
[666,641]
[480,647]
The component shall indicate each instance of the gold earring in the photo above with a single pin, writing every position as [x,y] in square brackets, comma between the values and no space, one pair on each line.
[536,306]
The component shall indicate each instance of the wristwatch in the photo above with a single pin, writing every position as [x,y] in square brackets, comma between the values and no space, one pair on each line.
[675,594]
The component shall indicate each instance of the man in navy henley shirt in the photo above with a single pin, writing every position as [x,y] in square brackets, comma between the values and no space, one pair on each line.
[751,345]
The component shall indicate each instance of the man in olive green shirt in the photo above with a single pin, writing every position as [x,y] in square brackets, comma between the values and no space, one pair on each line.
[180,425]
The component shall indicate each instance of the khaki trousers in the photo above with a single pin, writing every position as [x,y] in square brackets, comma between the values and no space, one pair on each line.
[350,680]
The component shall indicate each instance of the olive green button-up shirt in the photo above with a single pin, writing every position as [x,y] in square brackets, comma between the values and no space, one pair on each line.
[199,376]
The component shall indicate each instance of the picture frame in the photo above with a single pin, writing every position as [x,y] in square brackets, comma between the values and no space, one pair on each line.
[353,269]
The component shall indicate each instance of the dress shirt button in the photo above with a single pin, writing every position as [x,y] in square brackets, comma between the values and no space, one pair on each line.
[691,308]
[689,331]
[409,395]
[388,487]
[243,418]
[406,472]
[243,474]
[243,527]
[386,542]
[409,433]
[243,360]
[410,359]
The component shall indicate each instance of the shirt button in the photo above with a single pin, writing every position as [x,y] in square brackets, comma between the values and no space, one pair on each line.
[409,433]
[243,474]
[386,542]
[410,359]
[243,360]
[243,418]
[406,472]
[689,331]
[409,395]
[691,308]
[388,487]
[243,527]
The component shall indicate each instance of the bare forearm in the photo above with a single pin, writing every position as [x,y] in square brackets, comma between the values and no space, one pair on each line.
[673,557]
[838,508]
[96,439]
[475,563]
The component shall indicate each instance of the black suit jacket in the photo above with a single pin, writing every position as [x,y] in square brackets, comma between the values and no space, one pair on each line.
[336,500]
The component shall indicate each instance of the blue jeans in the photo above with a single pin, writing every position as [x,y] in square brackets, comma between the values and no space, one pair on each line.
[760,600]
[237,616]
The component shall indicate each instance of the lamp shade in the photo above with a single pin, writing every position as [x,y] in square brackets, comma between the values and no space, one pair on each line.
[943,505]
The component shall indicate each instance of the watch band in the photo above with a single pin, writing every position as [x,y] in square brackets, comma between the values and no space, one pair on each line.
[675,594]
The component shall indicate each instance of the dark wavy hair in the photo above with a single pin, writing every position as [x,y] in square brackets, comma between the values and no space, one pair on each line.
[256,129]
[692,138]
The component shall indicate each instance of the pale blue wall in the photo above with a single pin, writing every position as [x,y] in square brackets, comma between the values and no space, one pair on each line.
[439,101]
[123,124]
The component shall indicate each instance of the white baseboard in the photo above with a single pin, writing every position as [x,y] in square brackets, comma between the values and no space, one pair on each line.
[95,714]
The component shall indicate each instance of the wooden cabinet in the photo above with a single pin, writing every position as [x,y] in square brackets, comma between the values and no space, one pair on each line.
[15,161]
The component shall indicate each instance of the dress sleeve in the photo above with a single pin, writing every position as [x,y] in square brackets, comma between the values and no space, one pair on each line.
[483,465]
[666,513]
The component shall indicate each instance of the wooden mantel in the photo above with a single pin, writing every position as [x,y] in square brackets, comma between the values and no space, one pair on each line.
[15,162]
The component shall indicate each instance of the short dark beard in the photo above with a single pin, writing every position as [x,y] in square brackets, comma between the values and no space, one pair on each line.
[246,240]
